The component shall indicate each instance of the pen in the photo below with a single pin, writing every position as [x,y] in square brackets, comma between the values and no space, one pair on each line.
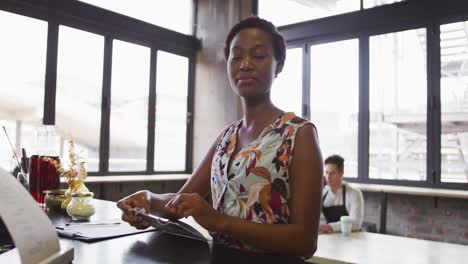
[92,224]
[65,233]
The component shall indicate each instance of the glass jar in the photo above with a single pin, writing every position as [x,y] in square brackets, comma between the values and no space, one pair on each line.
[80,208]
[54,198]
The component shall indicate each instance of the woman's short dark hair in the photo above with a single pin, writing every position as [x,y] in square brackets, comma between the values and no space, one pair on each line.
[279,45]
[337,160]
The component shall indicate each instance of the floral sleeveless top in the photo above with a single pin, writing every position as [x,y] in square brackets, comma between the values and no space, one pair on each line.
[256,187]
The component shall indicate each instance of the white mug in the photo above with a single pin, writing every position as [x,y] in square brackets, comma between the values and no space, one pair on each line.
[346,225]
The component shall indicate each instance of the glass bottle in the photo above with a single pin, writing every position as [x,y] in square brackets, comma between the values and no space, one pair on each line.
[43,175]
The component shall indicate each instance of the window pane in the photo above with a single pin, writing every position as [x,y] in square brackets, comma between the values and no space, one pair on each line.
[79,90]
[283,12]
[129,107]
[397,105]
[454,102]
[286,92]
[171,112]
[334,99]
[174,15]
[22,67]
[373,3]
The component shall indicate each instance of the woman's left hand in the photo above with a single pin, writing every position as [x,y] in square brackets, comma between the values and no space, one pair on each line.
[192,204]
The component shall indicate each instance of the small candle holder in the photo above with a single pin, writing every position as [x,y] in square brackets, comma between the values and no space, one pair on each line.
[54,199]
[80,208]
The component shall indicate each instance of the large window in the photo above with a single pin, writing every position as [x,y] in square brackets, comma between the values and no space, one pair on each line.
[175,15]
[283,12]
[286,92]
[171,112]
[397,106]
[97,83]
[22,70]
[334,98]
[454,102]
[388,88]
[79,90]
[129,107]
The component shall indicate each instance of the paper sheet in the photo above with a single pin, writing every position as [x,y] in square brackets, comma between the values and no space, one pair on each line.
[32,231]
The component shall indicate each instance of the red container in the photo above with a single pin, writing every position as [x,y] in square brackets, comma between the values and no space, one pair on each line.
[42,176]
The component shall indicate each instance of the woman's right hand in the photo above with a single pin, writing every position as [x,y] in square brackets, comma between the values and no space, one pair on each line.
[141,199]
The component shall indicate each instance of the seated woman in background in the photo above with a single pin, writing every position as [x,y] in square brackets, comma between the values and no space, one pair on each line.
[264,171]
[339,198]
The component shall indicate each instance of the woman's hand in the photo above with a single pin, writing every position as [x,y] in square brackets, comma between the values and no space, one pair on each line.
[141,199]
[192,204]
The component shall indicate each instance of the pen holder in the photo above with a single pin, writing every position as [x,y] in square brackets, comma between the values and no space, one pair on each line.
[80,208]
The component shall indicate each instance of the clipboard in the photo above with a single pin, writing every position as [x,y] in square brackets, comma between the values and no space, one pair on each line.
[186,227]
[94,233]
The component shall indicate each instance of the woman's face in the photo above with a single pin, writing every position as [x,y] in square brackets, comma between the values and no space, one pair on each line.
[251,64]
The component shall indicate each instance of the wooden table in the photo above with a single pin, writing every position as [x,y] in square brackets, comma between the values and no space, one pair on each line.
[363,247]
[150,247]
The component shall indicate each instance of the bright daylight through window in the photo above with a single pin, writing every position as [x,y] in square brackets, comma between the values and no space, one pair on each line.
[22,68]
[129,107]
[397,106]
[171,112]
[284,12]
[374,3]
[79,89]
[286,92]
[174,15]
[334,102]
[454,102]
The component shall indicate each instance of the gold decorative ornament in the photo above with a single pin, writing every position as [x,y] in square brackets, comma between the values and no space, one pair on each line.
[75,173]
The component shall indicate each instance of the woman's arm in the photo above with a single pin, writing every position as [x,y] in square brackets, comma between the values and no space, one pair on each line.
[299,237]
[199,183]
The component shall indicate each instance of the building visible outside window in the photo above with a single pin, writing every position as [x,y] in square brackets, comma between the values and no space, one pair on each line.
[398,106]
[454,102]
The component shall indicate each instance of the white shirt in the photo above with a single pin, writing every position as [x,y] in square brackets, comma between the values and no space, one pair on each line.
[354,204]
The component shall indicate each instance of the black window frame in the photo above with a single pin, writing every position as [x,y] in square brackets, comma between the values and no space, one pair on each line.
[362,24]
[112,26]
